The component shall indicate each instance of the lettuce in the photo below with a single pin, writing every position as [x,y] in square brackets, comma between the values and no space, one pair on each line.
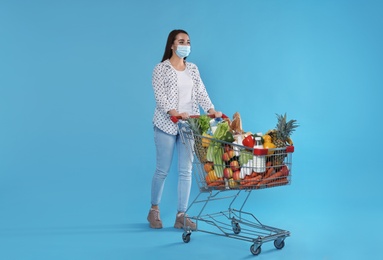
[221,130]
[204,123]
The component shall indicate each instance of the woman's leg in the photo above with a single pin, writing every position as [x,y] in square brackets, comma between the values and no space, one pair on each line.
[185,165]
[164,154]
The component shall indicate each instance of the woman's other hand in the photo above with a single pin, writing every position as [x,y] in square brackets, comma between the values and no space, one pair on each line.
[215,113]
[175,113]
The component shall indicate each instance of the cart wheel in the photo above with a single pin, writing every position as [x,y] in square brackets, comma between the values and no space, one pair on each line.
[255,251]
[236,228]
[186,237]
[279,244]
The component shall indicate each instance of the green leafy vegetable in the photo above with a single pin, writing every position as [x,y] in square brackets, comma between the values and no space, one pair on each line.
[194,125]
[244,157]
[221,130]
[215,150]
[204,123]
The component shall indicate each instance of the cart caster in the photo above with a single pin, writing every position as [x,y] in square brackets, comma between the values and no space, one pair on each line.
[255,251]
[236,228]
[186,237]
[279,243]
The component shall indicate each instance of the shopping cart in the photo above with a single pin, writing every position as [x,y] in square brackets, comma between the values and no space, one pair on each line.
[246,170]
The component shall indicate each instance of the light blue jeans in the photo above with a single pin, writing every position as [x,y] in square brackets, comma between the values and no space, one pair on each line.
[165,145]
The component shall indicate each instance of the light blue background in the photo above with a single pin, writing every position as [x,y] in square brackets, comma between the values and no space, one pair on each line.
[76,141]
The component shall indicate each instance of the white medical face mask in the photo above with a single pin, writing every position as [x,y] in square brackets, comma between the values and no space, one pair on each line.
[183,51]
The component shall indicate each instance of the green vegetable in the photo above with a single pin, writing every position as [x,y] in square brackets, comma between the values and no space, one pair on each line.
[212,150]
[228,137]
[204,123]
[215,149]
[218,162]
[221,130]
[244,157]
[194,125]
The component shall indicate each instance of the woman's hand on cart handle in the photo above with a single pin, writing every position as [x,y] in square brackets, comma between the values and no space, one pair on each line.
[183,115]
[175,115]
[215,114]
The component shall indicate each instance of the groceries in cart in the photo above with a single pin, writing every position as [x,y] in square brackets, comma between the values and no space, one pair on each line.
[227,158]
[231,158]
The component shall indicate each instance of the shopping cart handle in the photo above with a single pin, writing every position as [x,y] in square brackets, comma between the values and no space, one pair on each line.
[176,118]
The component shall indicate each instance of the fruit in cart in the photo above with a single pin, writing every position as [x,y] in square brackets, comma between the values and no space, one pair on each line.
[237,175]
[226,157]
[194,125]
[232,183]
[234,165]
[267,138]
[227,148]
[206,141]
[280,136]
[289,141]
[208,166]
[227,173]
[269,145]
[200,149]
[207,179]
[211,177]
[231,153]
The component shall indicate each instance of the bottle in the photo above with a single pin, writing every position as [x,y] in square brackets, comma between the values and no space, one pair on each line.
[259,161]
[238,141]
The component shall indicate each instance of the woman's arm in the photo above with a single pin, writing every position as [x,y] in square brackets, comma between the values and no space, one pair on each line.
[158,82]
[203,97]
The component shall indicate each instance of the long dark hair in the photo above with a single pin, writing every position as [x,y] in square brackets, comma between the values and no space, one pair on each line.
[171,38]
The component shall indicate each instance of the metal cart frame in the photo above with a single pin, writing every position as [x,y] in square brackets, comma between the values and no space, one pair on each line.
[234,222]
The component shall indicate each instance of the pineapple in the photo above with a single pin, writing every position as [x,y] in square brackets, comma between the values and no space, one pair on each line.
[194,125]
[199,149]
[280,136]
[283,131]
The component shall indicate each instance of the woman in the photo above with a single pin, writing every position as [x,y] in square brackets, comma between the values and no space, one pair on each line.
[179,91]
